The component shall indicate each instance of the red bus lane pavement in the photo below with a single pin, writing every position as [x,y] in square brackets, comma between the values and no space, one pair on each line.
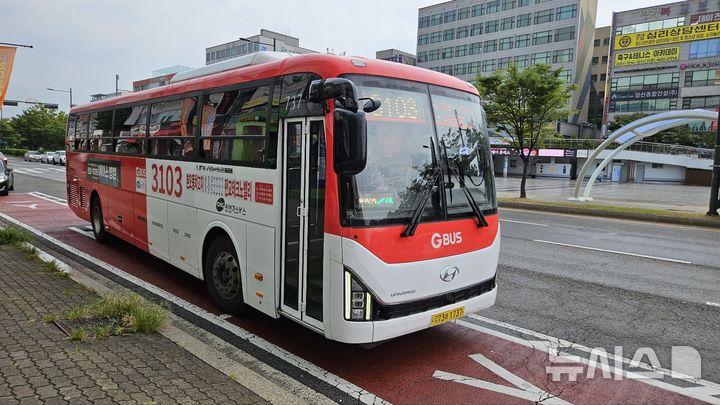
[454,363]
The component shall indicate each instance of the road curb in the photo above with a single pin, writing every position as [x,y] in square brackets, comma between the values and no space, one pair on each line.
[705,223]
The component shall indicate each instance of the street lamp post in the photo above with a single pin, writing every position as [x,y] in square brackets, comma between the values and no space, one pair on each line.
[64,91]
[274,42]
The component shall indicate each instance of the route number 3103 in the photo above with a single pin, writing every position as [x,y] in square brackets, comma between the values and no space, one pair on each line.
[166,180]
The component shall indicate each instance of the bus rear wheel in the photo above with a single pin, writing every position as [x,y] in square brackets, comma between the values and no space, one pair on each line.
[223,277]
[96,219]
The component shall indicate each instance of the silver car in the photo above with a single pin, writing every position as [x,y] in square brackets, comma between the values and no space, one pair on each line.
[59,158]
[32,156]
[47,157]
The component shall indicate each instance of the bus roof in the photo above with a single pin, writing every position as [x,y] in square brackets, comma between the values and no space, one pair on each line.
[324,65]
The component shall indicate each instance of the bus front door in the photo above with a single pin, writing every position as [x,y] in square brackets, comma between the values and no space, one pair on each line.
[303,214]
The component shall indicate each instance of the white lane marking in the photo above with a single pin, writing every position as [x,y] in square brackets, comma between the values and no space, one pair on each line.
[82,232]
[713,304]
[612,251]
[706,392]
[26,170]
[522,222]
[31,206]
[225,316]
[57,170]
[48,197]
[324,375]
[526,390]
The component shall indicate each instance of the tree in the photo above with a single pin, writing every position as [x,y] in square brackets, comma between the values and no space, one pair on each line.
[680,135]
[40,127]
[9,138]
[622,120]
[525,104]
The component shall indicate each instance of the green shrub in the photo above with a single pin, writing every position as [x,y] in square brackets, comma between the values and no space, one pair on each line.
[14,151]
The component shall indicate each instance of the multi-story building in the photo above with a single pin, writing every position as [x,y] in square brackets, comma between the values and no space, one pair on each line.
[598,75]
[465,38]
[160,77]
[665,57]
[396,55]
[266,41]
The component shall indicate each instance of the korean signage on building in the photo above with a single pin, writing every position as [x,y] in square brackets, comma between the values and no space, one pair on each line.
[704,18]
[645,56]
[668,36]
[643,94]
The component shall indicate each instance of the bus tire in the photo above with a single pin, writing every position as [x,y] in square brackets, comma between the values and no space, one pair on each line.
[223,277]
[96,219]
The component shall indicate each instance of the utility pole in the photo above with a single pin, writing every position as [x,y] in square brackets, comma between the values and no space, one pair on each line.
[117,78]
[715,185]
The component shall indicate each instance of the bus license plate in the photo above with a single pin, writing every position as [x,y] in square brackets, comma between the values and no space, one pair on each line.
[446,316]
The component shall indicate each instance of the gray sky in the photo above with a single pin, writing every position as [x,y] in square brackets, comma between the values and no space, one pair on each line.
[83,44]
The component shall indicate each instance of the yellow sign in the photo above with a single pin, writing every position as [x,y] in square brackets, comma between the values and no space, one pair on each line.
[7,56]
[668,36]
[647,56]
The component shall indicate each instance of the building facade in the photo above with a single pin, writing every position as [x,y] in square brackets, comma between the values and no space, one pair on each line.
[160,77]
[465,38]
[598,75]
[396,55]
[266,41]
[665,57]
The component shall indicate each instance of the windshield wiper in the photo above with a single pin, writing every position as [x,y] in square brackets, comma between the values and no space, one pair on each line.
[482,222]
[420,208]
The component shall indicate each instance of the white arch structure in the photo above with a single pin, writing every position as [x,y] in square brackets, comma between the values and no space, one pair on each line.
[628,135]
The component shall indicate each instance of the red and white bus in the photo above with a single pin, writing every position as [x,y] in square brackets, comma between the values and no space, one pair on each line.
[353,195]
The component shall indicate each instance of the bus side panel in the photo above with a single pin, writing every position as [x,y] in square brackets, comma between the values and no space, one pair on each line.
[157,226]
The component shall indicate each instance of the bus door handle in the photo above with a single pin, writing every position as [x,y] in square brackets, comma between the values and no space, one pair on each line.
[300,211]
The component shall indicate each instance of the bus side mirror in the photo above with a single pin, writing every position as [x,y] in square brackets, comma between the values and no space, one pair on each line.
[336,88]
[350,141]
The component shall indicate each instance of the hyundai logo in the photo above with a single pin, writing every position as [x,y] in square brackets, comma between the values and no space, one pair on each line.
[448,274]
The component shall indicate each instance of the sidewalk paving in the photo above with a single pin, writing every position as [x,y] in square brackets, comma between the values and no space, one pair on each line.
[38,365]
[659,196]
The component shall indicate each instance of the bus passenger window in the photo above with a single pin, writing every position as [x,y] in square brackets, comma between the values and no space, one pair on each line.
[70,135]
[81,132]
[129,130]
[172,128]
[100,131]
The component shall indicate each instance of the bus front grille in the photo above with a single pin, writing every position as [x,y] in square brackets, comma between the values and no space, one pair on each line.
[385,312]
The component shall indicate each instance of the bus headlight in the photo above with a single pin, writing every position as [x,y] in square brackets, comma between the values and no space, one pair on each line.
[358,301]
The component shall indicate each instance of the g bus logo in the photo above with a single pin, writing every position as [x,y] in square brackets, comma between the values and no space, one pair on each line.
[439,240]
[220,204]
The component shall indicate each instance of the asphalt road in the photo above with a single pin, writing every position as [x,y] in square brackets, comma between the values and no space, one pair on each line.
[597,282]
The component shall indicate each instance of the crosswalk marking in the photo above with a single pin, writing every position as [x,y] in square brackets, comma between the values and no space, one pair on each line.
[37,170]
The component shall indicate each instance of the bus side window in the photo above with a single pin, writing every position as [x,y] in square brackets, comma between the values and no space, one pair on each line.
[129,130]
[171,128]
[70,135]
[81,132]
[100,131]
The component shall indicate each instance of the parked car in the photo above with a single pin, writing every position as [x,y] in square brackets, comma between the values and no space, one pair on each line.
[47,157]
[7,180]
[3,158]
[59,158]
[33,156]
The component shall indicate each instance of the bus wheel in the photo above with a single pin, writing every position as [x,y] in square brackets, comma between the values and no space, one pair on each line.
[96,219]
[223,277]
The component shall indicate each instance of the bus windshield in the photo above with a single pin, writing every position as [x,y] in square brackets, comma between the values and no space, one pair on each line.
[414,118]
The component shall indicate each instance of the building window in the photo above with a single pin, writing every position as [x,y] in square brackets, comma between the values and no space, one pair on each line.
[460,69]
[658,165]
[593,78]
[563,55]
[476,29]
[522,41]
[646,82]
[446,69]
[463,13]
[523,20]
[507,23]
[540,58]
[604,60]
[543,37]
[473,68]
[422,56]
[566,75]
[435,37]
[647,26]
[475,48]
[606,41]
[705,49]
[565,12]
[564,34]
[478,10]
[447,53]
[504,63]
[462,32]
[659,104]
[449,16]
[603,77]
[423,39]
[492,7]
[488,65]
[434,55]
[436,19]
[424,22]
[701,102]
[596,43]
[541,1]
[461,50]
[508,5]
[522,61]
[491,26]
[449,35]
[595,60]
[702,78]
[506,43]
[490,46]
[523,3]
[544,16]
